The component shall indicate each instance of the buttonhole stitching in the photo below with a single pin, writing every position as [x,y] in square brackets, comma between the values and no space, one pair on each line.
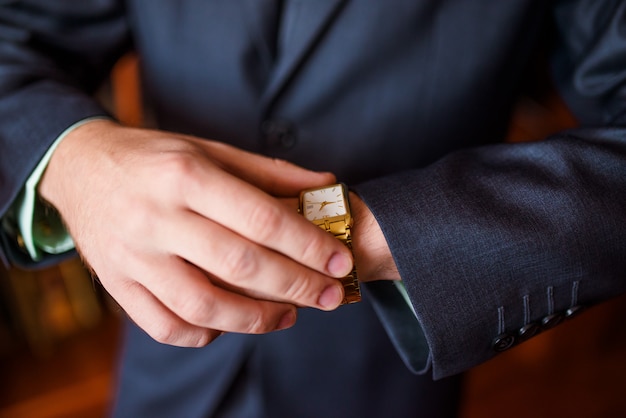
[526,310]
[575,293]
[501,325]
[550,300]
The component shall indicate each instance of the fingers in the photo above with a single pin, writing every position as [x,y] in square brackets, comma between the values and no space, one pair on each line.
[248,268]
[184,308]
[262,219]
[156,320]
[274,176]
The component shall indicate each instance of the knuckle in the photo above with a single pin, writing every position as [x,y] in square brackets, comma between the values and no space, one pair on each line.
[281,163]
[240,262]
[204,338]
[165,333]
[177,172]
[171,334]
[314,248]
[297,289]
[258,324]
[264,221]
[199,309]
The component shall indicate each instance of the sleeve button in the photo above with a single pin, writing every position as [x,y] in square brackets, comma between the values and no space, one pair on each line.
[528,331]
[573,311]
[503,342]
[550,321]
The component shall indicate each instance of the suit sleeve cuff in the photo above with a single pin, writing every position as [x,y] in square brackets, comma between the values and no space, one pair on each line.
[393,308]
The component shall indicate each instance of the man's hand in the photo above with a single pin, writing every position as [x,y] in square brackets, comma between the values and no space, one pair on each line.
[187,234]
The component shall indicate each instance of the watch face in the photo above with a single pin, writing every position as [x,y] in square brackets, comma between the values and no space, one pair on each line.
[324,203]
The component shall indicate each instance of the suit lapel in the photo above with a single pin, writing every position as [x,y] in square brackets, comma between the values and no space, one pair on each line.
[262,18]
[304,22]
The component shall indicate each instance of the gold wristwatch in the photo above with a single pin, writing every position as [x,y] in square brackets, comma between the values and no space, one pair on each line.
[328,207]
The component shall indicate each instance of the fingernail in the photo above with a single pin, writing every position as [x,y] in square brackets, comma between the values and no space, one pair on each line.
[339,265]
[331,297]
[286,321]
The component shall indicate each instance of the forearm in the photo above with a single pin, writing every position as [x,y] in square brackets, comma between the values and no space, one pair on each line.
[489,240]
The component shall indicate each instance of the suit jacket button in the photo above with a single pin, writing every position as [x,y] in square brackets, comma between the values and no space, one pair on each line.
[503,342]
[550,321]
[279,134]
[528,331]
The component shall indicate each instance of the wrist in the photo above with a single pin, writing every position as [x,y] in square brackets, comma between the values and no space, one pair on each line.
[67,155]
[371,252]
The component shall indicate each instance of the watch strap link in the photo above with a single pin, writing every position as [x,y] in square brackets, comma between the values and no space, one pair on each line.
[341,231]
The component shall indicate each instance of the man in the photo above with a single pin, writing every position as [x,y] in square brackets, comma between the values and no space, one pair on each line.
[404,101]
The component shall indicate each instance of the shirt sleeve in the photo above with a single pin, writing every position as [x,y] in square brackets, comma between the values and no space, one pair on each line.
[36,226]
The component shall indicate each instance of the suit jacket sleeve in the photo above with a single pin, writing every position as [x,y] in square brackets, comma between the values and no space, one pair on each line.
[497,243]
[46,76]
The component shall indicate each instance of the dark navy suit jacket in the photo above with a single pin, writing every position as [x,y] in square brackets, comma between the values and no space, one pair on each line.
[408,102]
